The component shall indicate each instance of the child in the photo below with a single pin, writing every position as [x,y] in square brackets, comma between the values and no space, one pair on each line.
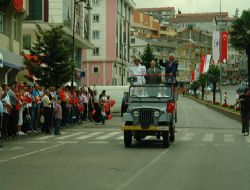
[58,116]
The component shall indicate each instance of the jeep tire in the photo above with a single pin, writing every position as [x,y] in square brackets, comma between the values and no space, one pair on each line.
[165,136]
[127,139]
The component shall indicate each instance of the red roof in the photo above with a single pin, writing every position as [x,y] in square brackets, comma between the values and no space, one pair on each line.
[157,9]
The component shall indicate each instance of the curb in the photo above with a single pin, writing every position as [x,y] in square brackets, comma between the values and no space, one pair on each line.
[232,115]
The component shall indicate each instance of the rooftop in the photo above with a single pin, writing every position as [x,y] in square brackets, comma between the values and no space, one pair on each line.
[157,9]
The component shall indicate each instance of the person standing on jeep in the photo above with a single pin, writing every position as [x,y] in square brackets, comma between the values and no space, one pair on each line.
[170,66]
[137,70]
[152,73]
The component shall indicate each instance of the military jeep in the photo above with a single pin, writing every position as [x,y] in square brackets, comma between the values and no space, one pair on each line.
[152,111]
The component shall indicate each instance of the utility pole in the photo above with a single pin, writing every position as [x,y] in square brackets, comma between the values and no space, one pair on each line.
[220,62]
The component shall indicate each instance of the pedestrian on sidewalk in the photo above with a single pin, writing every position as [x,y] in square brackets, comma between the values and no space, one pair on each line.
[225,98]
[245,111]
[58,117]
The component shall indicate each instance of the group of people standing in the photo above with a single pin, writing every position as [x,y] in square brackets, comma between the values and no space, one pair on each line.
[26,108]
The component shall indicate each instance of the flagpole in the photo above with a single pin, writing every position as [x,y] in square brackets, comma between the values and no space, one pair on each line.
[220,62]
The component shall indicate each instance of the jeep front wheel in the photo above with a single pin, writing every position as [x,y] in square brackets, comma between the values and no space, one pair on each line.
[127,139]
[165,136]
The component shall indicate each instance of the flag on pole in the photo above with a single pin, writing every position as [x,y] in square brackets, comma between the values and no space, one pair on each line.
[202,64]
[216,46]
[208,59]
[193,76]
[224,47]
[197,71]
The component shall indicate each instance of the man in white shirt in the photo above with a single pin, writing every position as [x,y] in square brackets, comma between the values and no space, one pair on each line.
[136,69]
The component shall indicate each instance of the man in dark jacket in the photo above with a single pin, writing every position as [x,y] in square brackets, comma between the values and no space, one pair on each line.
[170,66]
[244,100]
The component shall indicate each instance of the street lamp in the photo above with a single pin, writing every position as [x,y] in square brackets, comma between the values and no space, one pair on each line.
[122,56]
[87,7]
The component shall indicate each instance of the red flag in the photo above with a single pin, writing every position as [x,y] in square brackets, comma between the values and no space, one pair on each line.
[202,64]
[193,76]
[224,47]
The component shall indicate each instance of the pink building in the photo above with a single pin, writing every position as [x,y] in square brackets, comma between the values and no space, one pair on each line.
[107,63]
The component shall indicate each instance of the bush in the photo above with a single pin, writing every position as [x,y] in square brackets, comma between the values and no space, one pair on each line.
[216,103]
[225,105]
[231,106]
[237,108]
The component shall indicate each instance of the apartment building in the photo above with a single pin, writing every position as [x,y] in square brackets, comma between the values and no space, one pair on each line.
[11,18]
[107,63]
[45,12]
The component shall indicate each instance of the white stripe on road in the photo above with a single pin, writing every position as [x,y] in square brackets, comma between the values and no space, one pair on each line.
[108,135]
[48,136]
[67,142]
[120,138]
[34,152]
[208,137]
[97,142]
[36,142]
[89,135]
[228,138]
[187,137]
[68,136]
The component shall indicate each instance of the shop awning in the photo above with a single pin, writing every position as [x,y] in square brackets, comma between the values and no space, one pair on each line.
[11,59]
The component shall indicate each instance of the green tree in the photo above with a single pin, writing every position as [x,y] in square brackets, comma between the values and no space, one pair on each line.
[147,56]
[203,82]
[195,86]
[214,76]
[52,65]
[240,36]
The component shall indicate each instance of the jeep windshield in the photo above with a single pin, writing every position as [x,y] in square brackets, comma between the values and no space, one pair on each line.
[150,91]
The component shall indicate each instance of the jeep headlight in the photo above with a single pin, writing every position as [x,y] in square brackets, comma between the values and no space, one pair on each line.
[157,114]
[136,113]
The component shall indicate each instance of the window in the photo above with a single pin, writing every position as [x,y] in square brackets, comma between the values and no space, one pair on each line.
[95,69]
[132,40]
[95,2]
[96,51]
[35,10]
[96,34]
[96,18]
[26,41]
[2,22]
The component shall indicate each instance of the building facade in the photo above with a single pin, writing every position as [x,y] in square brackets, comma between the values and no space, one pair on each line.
[12,14]
[107,63]
[45,12]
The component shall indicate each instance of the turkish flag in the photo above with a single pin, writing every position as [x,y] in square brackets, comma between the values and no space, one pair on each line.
[18,5]
[202,63]
[193,76]
[224,47]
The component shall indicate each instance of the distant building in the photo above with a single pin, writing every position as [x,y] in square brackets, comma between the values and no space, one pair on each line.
[163,14]
[107,63]
[11,19]
[45,12]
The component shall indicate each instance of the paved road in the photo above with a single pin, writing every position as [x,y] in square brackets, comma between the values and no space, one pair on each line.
[209,153]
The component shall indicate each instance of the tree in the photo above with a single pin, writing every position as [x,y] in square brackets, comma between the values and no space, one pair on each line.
[203,81]
[240,36]
[195,86]
[147,56]
[214,76]
[52,63]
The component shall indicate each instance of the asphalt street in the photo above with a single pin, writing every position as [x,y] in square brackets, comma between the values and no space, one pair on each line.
[209,153]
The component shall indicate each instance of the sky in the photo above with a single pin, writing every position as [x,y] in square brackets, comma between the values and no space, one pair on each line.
[196,6]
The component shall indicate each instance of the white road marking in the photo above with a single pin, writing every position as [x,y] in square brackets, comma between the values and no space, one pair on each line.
[67,142]
[187,137]
[120,138]
[16,148]
[208,137]
[49,136]
[142,170]
[228,138]
[97,142]
[247,139]
[68,136]
[36,142]
[108,135]
[34,152]
[89,135]
[1,161]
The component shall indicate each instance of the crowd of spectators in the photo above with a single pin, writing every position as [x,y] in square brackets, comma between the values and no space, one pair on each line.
[29,108]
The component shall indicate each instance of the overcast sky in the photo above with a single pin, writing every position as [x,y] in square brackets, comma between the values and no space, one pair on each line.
[193,6]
